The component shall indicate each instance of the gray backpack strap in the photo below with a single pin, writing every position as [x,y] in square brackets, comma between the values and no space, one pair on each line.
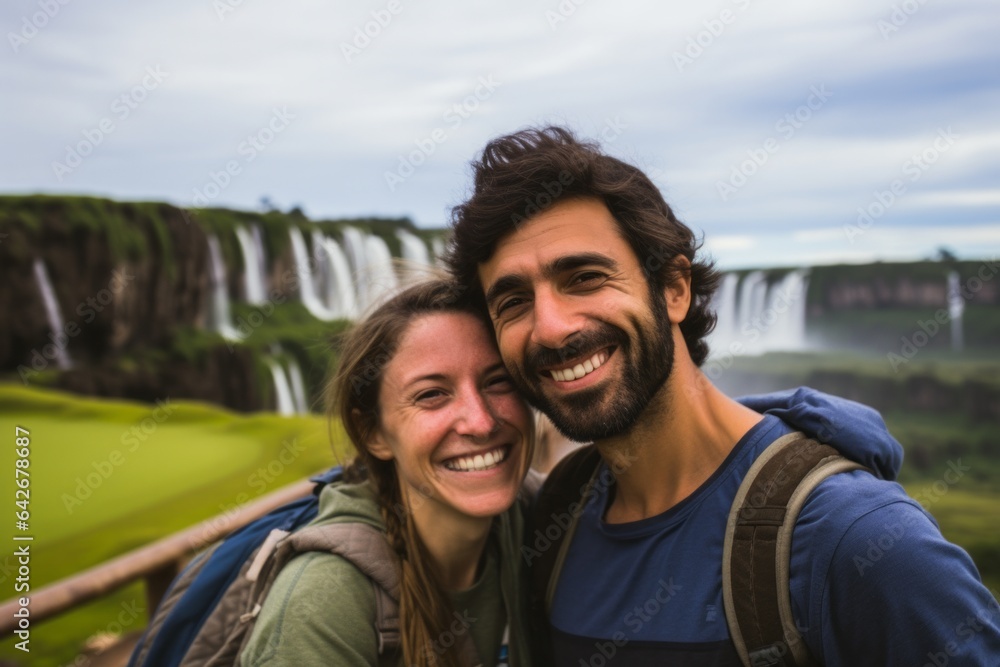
[757,549]
[367,549]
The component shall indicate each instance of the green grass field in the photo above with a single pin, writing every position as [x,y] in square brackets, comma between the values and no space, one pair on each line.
[100,489]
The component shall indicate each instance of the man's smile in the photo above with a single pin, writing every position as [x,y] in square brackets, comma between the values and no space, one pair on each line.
[576,371]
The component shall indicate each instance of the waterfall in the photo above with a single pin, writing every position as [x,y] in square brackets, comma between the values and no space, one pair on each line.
[307,284]
[724,304]
[438,246]
[372,262]
[414,248]
[298,386]
[254,272]
[956,308]
[754,317]
[354,243]
[284,403]
[219,316]
[381,276]
[53,314]
[785,315]
[340,288]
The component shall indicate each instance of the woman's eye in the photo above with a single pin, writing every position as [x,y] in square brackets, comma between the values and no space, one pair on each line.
[429,395]
[502,382]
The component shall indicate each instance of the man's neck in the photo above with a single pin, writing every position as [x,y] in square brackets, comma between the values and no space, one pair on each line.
[681,439]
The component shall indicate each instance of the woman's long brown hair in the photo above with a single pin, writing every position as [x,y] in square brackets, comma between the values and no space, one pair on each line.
[352,395]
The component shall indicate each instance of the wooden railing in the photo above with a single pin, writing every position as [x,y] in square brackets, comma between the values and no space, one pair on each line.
[156,563]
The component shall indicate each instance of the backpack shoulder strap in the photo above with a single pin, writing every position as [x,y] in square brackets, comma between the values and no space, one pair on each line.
[365,547]
[554,520]
[757,549]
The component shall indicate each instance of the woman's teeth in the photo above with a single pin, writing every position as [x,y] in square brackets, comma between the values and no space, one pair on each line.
[581,369]
[490,459]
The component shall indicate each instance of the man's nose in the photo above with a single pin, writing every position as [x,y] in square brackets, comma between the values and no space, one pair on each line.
[555,320]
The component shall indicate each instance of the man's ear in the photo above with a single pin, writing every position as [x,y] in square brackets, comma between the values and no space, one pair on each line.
[376,444]
[678,292]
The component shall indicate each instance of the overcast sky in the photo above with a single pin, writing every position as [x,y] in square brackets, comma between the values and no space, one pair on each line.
[768,124]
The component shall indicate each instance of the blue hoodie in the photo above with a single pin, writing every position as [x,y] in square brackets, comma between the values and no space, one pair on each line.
[872,580]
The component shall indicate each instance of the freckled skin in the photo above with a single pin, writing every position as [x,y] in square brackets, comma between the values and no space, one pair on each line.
[446,394]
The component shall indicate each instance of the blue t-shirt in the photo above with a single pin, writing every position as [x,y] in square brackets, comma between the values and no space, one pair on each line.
[872,580]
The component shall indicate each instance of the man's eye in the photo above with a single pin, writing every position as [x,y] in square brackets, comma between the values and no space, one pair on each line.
[508,303]
[587,277]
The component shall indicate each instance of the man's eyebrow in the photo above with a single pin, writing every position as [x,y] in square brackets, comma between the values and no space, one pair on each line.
[513,281]
[570,262]
[505,284]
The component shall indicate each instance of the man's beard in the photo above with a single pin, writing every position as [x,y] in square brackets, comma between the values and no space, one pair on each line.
[612,408]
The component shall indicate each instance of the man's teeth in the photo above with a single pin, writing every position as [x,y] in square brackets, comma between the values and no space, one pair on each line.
[479,462]
[581,369]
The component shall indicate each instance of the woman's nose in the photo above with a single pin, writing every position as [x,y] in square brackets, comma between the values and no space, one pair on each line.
[476,419]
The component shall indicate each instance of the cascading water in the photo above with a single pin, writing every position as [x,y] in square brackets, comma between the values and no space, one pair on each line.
[307,284]
[755,317]
[372,262]
[724,304]
[219,315]
[438,246]
[956,308]
[381,277]
[786,312]
[354,245]
[298,386]
[284,402]
[53,314]
[254,273]
[414,249]
[340,288]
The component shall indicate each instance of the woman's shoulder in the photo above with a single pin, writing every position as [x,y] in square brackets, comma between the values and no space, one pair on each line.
[319,602]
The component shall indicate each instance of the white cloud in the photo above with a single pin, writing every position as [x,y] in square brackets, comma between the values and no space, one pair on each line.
[691,128]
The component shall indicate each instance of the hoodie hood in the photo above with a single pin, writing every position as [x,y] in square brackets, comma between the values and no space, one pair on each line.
[855,430]
[346,503]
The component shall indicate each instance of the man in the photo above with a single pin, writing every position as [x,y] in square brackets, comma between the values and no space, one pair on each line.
[600,308]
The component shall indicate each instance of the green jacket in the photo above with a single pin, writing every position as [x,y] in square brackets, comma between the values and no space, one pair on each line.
[321,609]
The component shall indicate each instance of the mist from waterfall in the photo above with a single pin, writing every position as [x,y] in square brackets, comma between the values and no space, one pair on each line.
[755,316]
[53,314]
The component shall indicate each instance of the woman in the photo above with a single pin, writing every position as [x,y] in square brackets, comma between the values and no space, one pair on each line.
[443,444]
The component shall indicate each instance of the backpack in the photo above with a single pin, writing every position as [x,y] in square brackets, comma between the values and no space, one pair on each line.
[756,552]
[207,614]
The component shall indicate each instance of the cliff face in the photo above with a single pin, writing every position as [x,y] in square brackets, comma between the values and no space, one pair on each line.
[147,309]
[135,291]
[126,278]
[108,303]
[904,285]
